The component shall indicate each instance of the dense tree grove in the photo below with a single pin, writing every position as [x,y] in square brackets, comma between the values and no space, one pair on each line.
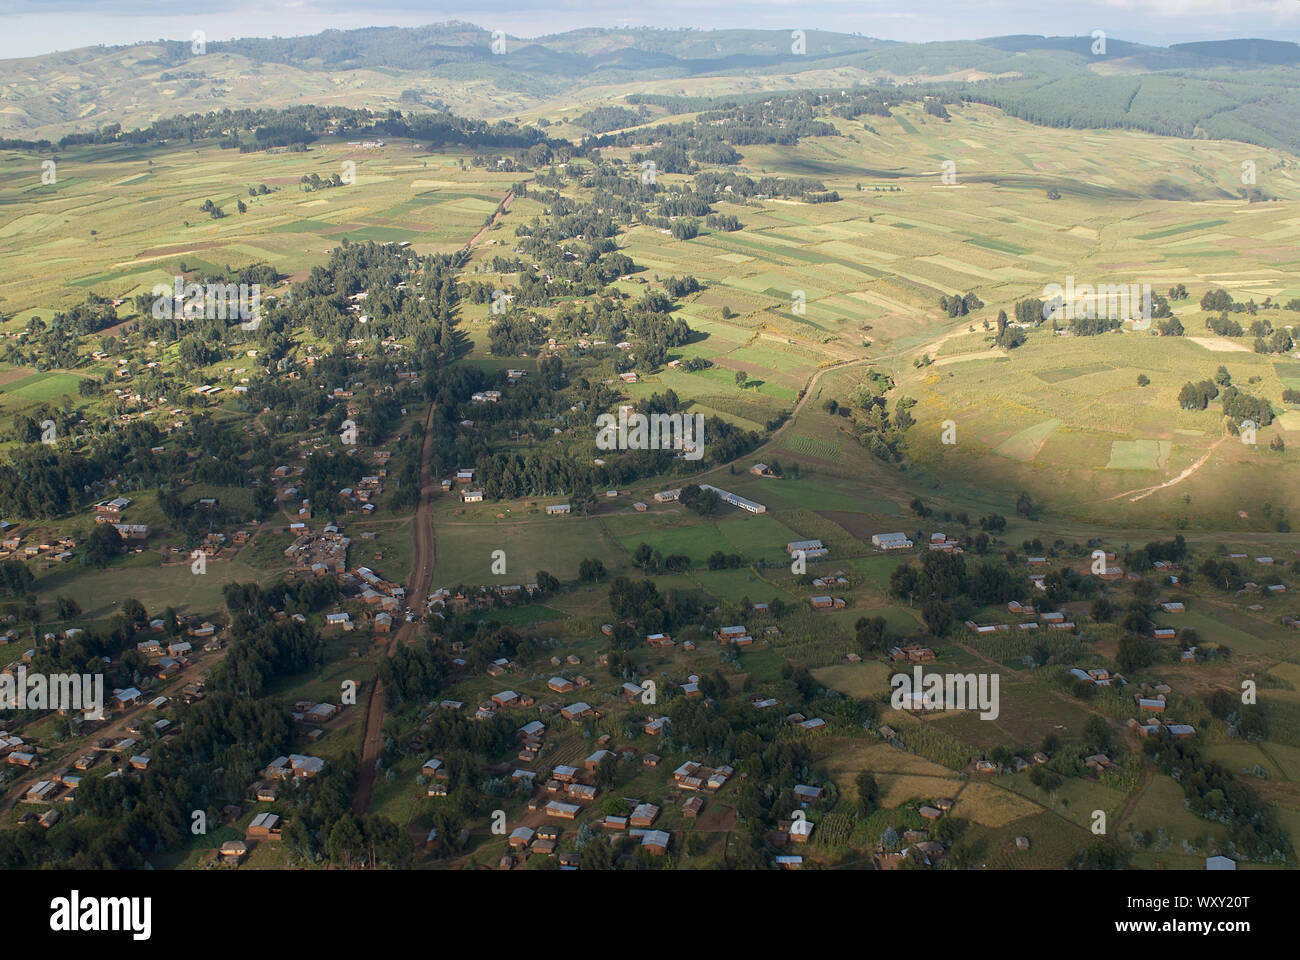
[1214,794]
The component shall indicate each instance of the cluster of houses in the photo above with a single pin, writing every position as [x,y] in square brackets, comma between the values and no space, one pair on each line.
[912,653]
[690,688]
[642,816]
[326,554]
[568,787]
[836,579]
[106,511]
[294,768]
[1152,726]
[1053,620]
[577,712]
[389,598]
[128,757]
[283,472]
[464,477]
[565,794]
[918,844]
[927,851]
[806,723]
[738,635]
[530,737]
[313,715]
[466,598]
[506,699]
[18,751]
[524,841]
[1099,762]
[1251,587]
[361,497]
[171,659]
[1262,561]
[1097,676]
[60,787]
[695,777]
[639,826]
[945,543]
[984,765]
[566,685]
[435,775]
[59,548]
[213,548]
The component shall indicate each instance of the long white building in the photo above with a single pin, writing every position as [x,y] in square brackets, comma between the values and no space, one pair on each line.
[890,541]
[735,499]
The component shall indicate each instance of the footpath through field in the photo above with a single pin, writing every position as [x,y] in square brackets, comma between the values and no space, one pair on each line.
[501,210]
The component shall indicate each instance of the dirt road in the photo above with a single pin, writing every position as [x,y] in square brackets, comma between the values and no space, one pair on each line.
[116,730]
[1144,492]
[505,206]
[418,585]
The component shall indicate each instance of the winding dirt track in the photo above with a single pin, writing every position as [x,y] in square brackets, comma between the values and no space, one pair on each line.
[808,389]
[1144,492]
[417,588]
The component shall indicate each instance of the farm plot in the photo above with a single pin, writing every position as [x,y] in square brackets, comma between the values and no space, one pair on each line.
[1139,454]
[1025,444]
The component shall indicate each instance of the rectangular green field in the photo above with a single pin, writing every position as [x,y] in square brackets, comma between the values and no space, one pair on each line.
[1185,228]
[556,544]
[753,537]
[42,387]
[1138,454]
[735,585]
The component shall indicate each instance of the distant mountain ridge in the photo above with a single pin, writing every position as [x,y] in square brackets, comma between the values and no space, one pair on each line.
[1246,89]
[1278,52]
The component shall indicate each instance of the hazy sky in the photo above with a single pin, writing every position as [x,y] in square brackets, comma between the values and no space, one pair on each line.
[41,26]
